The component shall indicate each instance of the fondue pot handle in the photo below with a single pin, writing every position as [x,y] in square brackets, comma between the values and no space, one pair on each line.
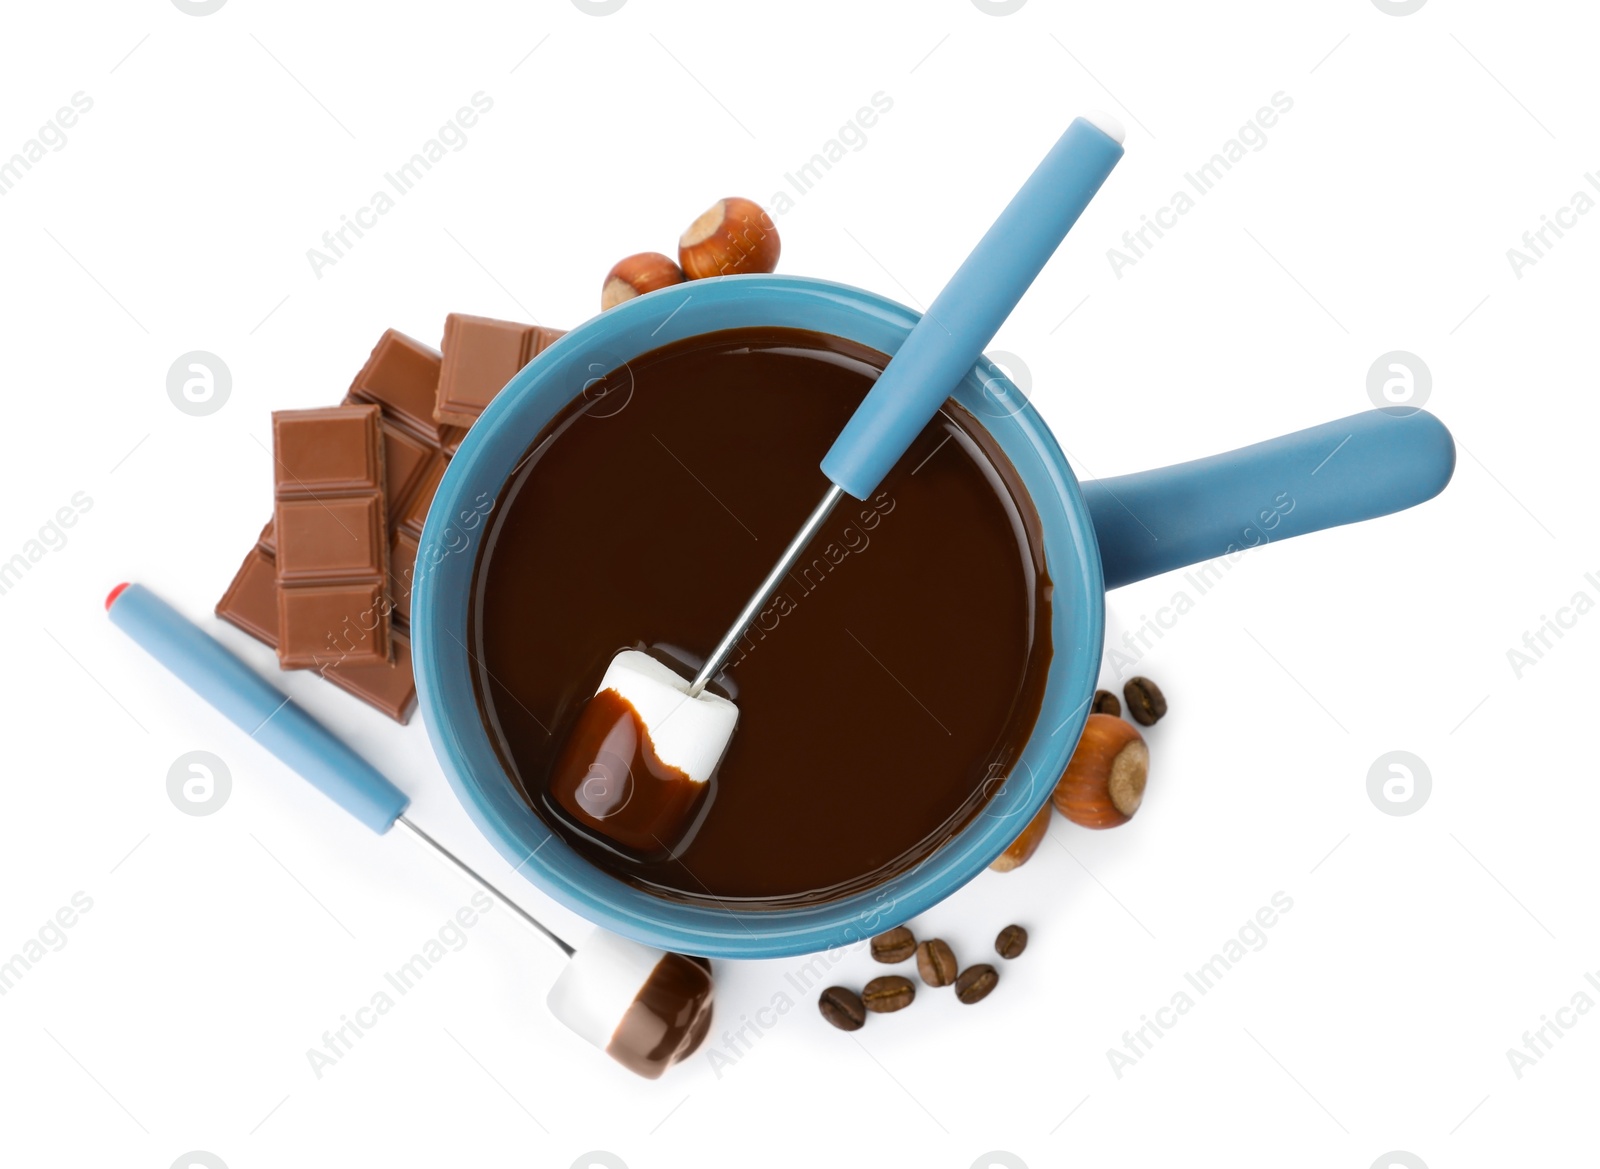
[1357,468]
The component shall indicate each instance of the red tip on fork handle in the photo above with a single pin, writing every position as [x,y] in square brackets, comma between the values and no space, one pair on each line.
[114,594]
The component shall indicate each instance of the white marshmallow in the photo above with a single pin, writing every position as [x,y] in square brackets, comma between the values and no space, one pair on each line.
[688,733]
[1107,124]
[600,983]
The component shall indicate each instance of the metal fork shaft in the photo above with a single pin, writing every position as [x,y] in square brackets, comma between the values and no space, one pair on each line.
[719,656]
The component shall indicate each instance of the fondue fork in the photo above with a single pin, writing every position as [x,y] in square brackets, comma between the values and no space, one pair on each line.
[623,997]
[638,780]
[948,339]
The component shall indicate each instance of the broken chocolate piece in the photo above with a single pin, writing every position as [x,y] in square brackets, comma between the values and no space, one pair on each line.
[389,686]
[402,376]
[251,601]
[481,355]
[404,457]
[416,512]
[402,566]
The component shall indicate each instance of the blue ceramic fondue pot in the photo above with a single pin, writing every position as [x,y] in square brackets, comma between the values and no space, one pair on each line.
[1096,536]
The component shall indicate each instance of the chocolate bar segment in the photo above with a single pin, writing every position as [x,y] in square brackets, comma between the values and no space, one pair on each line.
[328,625]
[389,686]
[251,601]
[332,537]
[401,376]
[325,452]
[481,355]
[416,512]
[402,567]
[404,456]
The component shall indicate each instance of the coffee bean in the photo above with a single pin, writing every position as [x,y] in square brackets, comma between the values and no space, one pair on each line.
[1105,702]
[888,992]
[936,962]
[1011,942]
[896,945]
[843,1008]
[975,982]
[1146,703]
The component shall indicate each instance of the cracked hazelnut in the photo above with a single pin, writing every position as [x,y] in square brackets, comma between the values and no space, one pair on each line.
[733,236]
[637,275]
[1025,845]
[1104,781]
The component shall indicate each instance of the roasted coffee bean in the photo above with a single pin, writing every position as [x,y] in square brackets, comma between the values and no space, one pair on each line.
[843,1008]
[888,992]
[1105,702]
[936,962]
[894,946]
[1146,703]
[1011,942]
[975,982]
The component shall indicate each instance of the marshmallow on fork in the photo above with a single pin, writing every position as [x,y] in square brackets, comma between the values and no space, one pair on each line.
[645,1008]
[637,765]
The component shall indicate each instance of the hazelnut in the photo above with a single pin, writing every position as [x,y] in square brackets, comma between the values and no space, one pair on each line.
[1105,778]
[637,275]
[734,236]
[1025,845]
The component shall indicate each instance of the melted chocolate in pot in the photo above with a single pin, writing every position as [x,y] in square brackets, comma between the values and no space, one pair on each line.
[884,691]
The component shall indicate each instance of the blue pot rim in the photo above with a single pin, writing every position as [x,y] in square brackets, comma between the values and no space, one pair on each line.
[442,592]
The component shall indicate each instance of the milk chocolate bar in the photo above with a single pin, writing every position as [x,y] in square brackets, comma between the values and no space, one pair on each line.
[481,355]
[402,378]
[251,603]
[332,537]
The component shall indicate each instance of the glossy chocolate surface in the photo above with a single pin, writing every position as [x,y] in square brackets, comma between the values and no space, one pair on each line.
[885,691]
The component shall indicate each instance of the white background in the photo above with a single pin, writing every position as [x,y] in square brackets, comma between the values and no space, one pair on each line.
[1377,217]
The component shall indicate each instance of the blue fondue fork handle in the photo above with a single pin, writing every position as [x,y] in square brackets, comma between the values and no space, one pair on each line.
[257,707]
[952,333]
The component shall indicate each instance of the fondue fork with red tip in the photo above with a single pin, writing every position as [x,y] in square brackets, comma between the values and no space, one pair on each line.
[635,769]
[645,1008]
